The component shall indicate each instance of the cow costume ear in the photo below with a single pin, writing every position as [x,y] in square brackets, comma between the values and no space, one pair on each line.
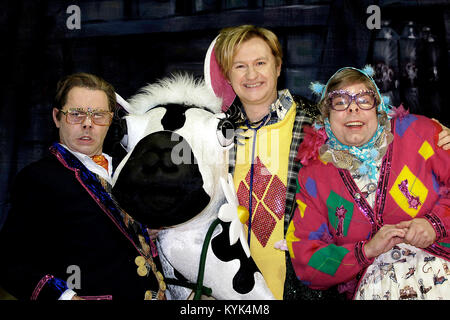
[215,80]
[122,103]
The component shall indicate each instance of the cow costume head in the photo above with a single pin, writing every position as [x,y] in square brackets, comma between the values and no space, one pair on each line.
[174,177]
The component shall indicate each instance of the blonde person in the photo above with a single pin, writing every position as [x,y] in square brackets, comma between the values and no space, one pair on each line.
[245,62]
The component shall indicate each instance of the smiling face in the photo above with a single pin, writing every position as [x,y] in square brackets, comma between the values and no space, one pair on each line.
[354,126]
[85,137]
[254,74]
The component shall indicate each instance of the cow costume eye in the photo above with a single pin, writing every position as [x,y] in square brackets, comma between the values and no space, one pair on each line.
[225,132]
[226,129]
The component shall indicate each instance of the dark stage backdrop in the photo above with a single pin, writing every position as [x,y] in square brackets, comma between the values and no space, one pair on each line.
[134,42]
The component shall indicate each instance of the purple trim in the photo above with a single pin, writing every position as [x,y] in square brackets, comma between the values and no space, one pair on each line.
[361,256]
[105,297]
[438,226]
[437,250]
[374,216]
[359,200]
[96,199]
[40,285]
[383,180]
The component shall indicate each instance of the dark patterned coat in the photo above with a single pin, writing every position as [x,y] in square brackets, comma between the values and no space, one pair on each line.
[62,220]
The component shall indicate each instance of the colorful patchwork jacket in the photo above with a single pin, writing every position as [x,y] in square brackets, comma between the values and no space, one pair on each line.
[333,220]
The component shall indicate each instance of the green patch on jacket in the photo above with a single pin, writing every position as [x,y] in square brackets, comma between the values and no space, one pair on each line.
[328,259]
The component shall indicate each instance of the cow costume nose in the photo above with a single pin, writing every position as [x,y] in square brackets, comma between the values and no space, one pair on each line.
[162,154]
[158,155]
[159,181]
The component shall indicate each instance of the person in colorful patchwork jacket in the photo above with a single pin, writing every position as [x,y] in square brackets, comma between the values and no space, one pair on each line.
[65,237]
[373,203]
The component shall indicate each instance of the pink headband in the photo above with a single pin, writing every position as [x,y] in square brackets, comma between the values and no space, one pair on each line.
[215,79]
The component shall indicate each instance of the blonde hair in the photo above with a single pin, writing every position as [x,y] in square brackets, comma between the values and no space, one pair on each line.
[230,38]
[339,80]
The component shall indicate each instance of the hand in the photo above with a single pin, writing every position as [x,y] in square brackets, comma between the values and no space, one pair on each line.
[420,232]
[444,137]
[76,297]
[384,240]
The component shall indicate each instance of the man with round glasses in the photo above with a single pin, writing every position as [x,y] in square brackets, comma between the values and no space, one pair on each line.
[65,237]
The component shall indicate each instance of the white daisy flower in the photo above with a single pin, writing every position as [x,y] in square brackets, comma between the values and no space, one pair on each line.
[234,213]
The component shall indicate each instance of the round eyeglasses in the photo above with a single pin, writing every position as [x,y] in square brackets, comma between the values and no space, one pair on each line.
[99,117]
[340,100]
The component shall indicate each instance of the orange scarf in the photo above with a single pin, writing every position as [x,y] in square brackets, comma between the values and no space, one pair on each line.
[101,161]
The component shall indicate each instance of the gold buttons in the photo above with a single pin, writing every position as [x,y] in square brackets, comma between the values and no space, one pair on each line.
[144,265]
[148,295]
[162,285]
[140,261]
[142,269]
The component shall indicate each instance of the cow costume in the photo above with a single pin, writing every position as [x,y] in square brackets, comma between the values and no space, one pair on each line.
[174,177]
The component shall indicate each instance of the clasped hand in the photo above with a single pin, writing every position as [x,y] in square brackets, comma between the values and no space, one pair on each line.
[416,232]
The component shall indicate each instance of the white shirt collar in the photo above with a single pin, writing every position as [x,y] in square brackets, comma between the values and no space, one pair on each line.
[92,166]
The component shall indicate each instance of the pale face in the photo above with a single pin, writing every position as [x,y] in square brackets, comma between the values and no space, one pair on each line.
[354,126]
[85,137]
[254,75]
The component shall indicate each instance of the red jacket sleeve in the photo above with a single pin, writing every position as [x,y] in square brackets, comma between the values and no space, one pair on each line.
[319,259]
[439,164]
